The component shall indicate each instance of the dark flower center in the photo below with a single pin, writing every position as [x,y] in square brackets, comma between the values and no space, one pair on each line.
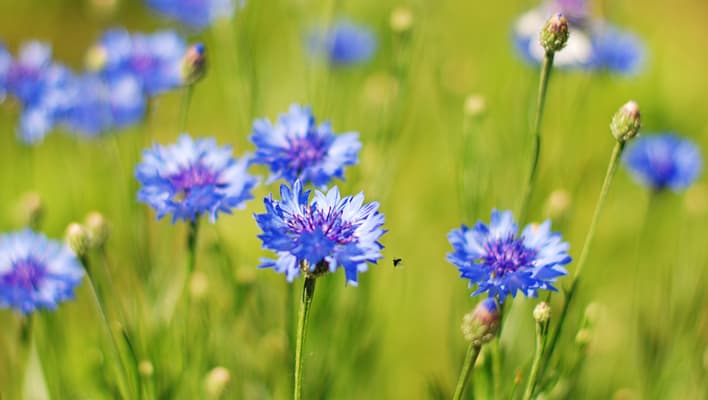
[663,168]
[194,176]
[506,255]
[26,274]
[143,63]
[327,223]
[306,151]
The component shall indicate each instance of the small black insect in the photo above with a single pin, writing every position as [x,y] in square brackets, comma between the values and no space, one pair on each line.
[397,261]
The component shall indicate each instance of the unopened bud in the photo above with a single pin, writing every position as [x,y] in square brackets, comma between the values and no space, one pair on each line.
[194,64]
[96,58]
[626,122]
[77,238]
[558,204]
[554,34]
[198,285]
[97,228]
[145,368]
[216,381]
[31,210]
[584,337]
[542,312]
[592,313]
[475,105]
[480,326]
[401,19]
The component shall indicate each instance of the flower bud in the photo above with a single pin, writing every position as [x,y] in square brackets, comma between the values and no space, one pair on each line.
[77,238]
[626,122]
[558,204]
[584,337]
[475,105]
[216,380]
[554,34]
[97,228]
[542,312]
[480,326]
[96,58]
[194,64]
[145,368]
[30,210]
[401,19]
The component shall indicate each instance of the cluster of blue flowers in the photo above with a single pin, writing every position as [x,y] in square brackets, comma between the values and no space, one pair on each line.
[123,70]
[594,44]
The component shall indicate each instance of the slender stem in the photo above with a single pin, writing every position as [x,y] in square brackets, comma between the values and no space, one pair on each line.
[192,231]
[102,313]
[535,366]
[308,292]
[611,168]
[470,359]
[184,111]
[542,88]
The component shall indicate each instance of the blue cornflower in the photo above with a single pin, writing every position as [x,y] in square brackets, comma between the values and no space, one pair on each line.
[663,161]
[498,261]
[296,148]
[193,177]
[593,44]
[317,236]
[5,64]
[35,272]
[155,59]
[25,77]
[196,14]
[346,43]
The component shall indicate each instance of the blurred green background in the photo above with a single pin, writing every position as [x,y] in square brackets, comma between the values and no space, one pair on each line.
[397,335]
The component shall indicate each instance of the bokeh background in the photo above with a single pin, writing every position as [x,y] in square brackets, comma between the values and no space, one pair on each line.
[397,335]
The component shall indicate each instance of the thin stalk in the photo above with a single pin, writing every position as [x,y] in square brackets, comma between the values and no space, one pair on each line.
[611,168]
[192,232]
[470,359]
[541,101]
[97,299]
[535,366]
[184,110]
[308,292]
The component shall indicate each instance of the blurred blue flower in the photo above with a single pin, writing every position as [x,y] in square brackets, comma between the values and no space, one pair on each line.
[498,261]
[155,59]
[346,43]
[296,148]
[322,234]
[593,44]
[663,161]
[193,177]
[26,74]
[35,272]
[5,64]
[196,14]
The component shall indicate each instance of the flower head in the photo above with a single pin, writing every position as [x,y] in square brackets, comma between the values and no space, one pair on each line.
[500,262]
[154,59]
[346,43]
[554,34]
[196,14]
[664,161]
[593,43]
[320,235]
[193,177]
[35,272]
[296,148]
[481,325]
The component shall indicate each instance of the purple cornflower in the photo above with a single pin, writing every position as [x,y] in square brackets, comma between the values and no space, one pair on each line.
[663,161]
[154,59]
[196,14]
[296,148]
[193,177]
[593,44]
[35,272]
[320,235]
[500,262]
[346,43]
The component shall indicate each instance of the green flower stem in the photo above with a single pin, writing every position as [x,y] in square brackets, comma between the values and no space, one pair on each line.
[308,293]
[611,168]
[542,88]
[535,366]
[192,232]
[100,307]
[470,359]
[184,110]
